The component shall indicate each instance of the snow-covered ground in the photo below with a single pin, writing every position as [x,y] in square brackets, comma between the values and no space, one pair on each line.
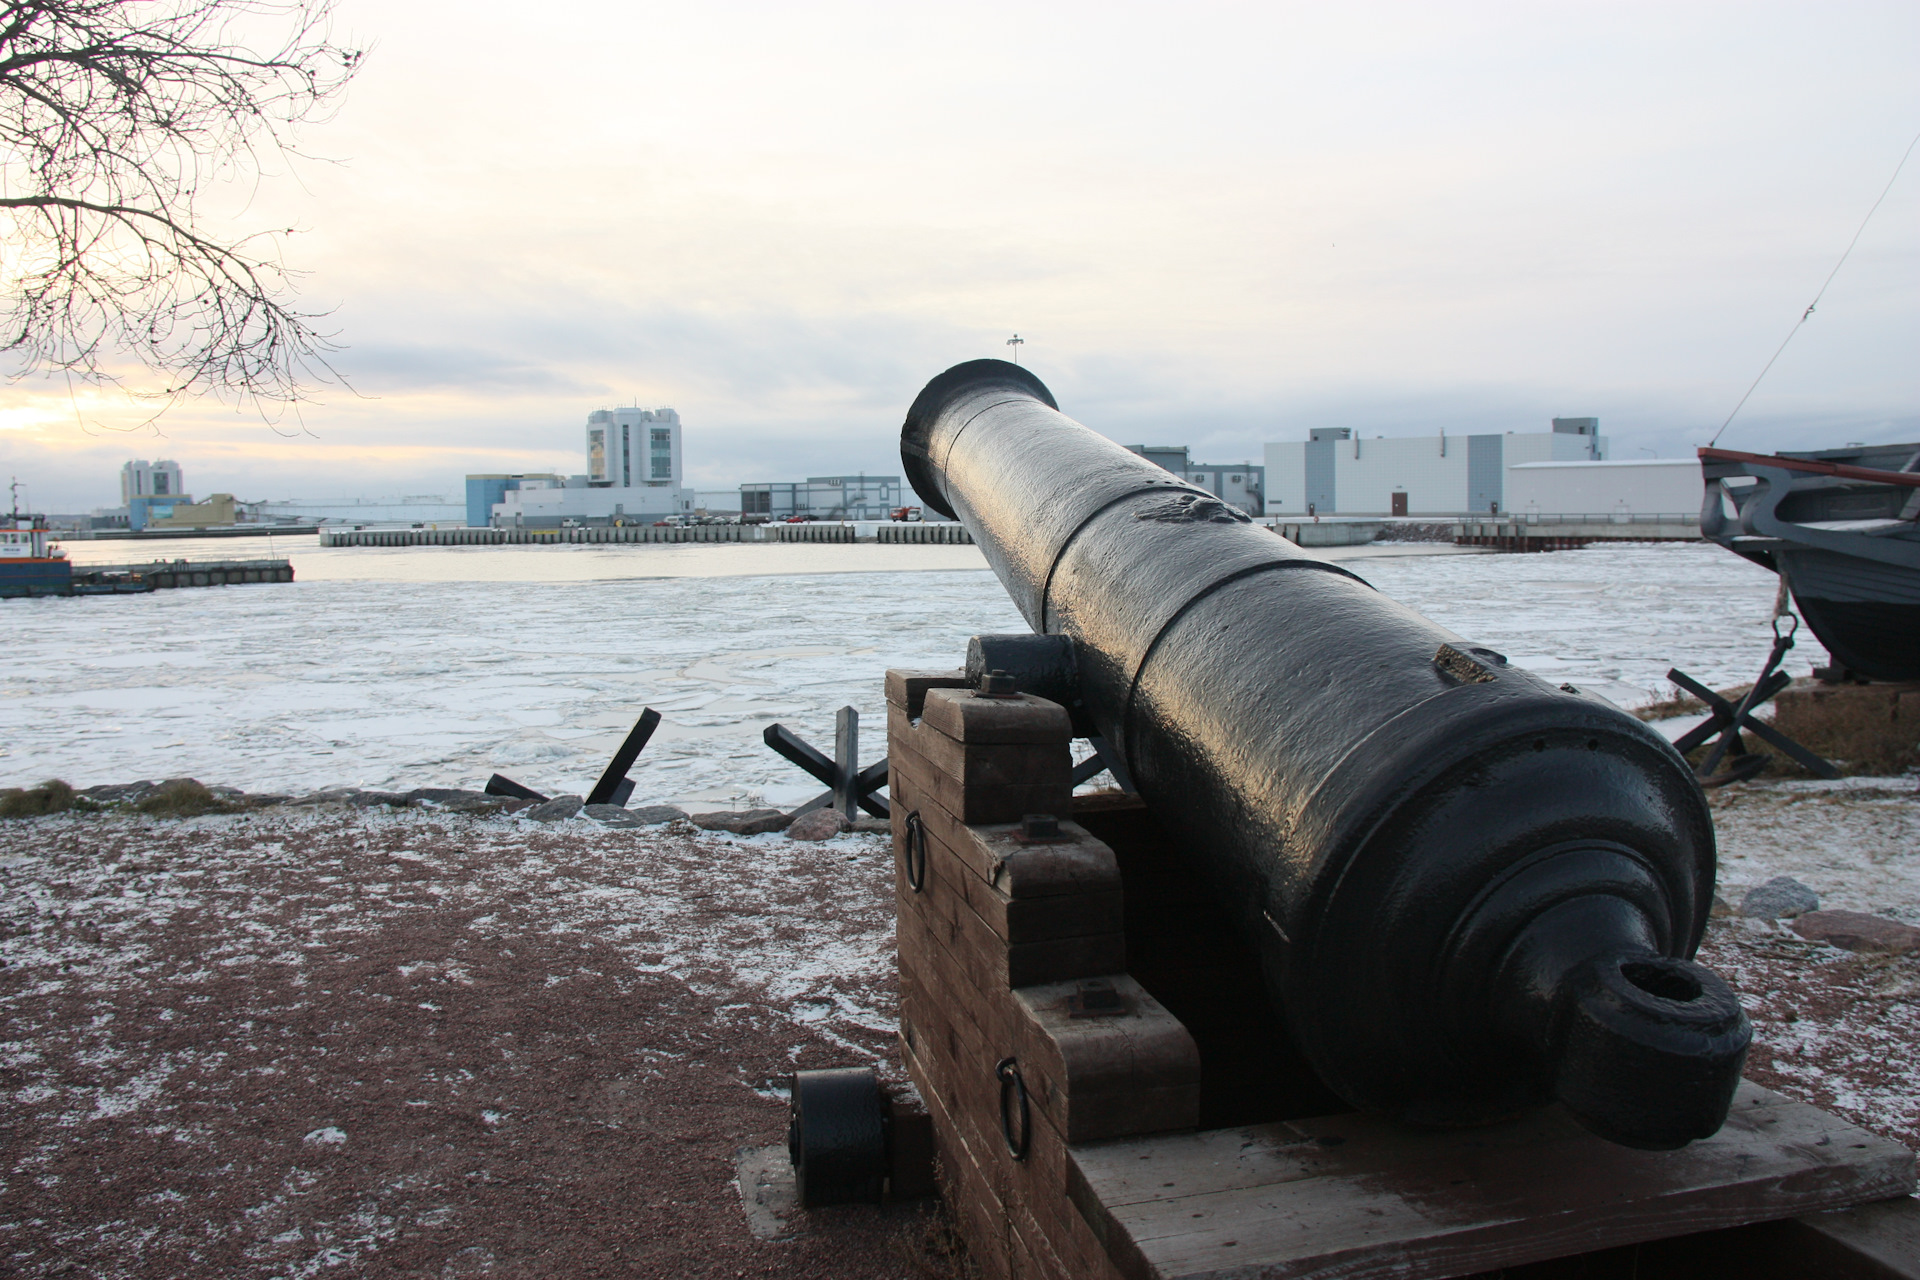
[439,665]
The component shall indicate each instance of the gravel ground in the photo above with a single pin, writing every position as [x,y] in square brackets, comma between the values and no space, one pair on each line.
[1832,1027]
[309,1042]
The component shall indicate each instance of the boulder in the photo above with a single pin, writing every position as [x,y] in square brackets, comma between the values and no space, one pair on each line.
[612,815]
[371,799]
[745,822]
[332,795]
[558,809]
[455,800]
[872,826]
[118,792]
[1858,931]
[1780,898]
[820,824]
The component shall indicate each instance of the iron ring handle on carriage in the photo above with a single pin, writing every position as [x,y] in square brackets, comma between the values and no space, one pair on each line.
[1007,1071]
[914,854]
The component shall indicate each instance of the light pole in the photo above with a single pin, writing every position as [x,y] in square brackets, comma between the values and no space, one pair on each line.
[1016,342]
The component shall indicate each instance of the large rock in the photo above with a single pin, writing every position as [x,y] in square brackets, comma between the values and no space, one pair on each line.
[1858,931]
[745,822]
[1780,898]
[558,809]
[455,800]
[820,824]
[612,815]
[373,799]
[118,792]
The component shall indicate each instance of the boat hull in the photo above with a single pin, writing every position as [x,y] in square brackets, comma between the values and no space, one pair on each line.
[34,576]
[1839,528]
[1866,613]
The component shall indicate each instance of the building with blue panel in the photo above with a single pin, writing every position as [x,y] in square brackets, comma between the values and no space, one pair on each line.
[633,476]
[484,491]
[1240,483]
[1335,472]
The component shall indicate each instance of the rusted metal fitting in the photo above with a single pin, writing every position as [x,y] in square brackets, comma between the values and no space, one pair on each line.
[996,684]
[1040,828]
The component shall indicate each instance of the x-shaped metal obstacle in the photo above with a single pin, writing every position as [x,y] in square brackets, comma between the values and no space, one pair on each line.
[849,787]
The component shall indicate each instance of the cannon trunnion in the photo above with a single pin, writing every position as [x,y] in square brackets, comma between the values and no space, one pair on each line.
[1471,891]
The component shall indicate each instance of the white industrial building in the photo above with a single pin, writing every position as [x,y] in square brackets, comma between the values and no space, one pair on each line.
[419,508]
[633,476]
[1240,483]
[1336,472]
[860,497]
[1639,487]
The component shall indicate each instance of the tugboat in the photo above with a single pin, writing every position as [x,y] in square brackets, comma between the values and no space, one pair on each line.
[28,565]
[1842,529]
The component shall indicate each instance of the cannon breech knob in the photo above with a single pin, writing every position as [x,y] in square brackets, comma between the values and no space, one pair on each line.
[1630,1020]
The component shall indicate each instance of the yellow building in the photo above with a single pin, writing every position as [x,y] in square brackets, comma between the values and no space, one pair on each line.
[215,511]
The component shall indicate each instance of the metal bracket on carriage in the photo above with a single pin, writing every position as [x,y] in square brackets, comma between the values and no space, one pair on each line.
[614,787]
[1727,720]
[849,787]
[1046,667]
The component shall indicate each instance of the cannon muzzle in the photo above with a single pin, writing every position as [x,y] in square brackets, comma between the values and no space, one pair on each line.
[1472,891]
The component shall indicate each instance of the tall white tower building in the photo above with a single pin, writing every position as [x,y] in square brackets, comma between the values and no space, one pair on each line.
[629,448]
[633,477]
[145,479]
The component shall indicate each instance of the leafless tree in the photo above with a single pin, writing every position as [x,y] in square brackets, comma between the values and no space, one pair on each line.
[116,118]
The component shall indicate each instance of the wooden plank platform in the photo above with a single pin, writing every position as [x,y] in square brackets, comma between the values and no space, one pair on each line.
[1354,1196]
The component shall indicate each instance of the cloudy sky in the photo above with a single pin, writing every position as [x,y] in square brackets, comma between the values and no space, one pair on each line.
[1216,225]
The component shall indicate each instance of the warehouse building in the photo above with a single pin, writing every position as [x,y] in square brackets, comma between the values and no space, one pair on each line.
[861,497]
[1240,483]
[1670,487]
[1335,472]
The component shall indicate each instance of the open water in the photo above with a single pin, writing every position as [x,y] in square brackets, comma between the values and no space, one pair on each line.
[436,666]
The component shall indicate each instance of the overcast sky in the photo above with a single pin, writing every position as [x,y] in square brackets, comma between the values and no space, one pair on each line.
[1214,225]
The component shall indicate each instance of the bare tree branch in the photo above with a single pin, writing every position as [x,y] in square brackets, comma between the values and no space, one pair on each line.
[114,116]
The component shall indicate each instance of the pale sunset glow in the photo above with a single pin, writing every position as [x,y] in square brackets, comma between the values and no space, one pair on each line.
[1214,225]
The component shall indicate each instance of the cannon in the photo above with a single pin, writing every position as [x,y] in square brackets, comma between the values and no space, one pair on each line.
[1357,872]
[1471,891]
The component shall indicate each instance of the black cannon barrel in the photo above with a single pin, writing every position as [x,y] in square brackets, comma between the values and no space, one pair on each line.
[1473,891]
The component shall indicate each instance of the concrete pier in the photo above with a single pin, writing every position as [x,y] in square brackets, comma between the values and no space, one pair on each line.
[168,574]
[813,531]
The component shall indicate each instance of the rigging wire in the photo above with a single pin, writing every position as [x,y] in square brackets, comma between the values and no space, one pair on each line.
[1808,313]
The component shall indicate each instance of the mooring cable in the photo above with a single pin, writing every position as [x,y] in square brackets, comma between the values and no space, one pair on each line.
[1808,313]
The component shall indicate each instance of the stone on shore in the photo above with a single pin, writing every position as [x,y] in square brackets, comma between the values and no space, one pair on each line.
[612,815]
[820,824]
[745,822]
[558,809]
[1780,898]
[455,800]
[1858,931]
[654,814]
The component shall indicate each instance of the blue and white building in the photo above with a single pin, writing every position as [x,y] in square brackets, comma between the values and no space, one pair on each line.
[634,476]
